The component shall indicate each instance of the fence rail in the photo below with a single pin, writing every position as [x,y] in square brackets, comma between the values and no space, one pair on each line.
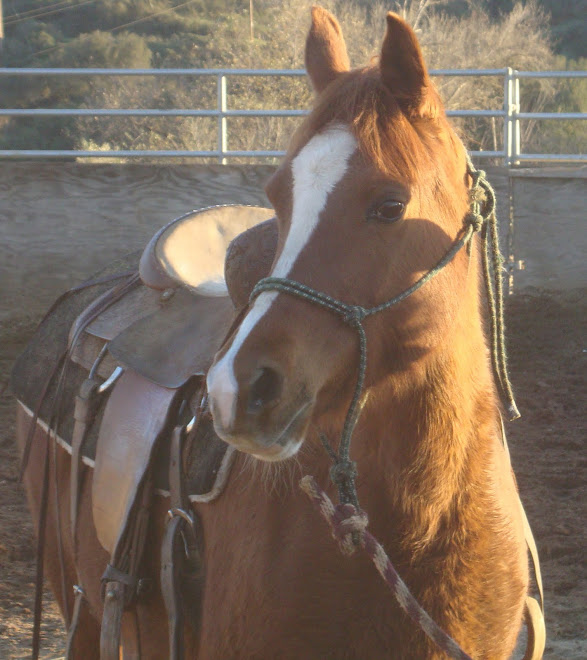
[510,114]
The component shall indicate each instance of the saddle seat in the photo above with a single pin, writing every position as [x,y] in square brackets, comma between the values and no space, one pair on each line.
[190,251]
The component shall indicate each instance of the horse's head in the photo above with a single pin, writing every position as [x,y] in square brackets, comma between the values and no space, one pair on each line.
[370,196]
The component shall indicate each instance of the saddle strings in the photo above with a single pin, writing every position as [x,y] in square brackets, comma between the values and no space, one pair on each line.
[481,218]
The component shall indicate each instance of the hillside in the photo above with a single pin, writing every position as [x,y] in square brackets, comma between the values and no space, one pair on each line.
[222,33]
[175,33]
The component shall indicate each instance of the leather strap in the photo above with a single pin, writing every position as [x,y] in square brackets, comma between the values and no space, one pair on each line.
[178,495]
[86,406]
[534,619]
[170,553]
[534,611]
[111,621]
[38,610]
[531,543]
[121,582]
[528,535]
[77,606]
[180,553]
[171,547]
[131,640]
[37,411]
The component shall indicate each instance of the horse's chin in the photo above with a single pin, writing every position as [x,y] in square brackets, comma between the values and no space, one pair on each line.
[271,453]
[279,452]
[272,448]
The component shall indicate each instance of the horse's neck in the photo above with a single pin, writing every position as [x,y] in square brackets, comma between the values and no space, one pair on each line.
[428,448]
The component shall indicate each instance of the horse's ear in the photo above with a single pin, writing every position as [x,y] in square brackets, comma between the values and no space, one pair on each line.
[404,72]
[326,55]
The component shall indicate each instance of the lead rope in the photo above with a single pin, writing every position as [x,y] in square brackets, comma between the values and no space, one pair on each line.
[347,521]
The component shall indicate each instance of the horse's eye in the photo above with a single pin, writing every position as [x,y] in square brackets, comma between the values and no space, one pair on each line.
[389,211]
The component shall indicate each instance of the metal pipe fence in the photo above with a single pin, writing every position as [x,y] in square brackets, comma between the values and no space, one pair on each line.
[510,115]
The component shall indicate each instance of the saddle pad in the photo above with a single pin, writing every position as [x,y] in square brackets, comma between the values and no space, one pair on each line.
[30,371]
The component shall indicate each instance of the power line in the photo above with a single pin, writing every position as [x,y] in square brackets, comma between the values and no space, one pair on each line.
[37,10]
[114,29]
[150,16]
[48,13]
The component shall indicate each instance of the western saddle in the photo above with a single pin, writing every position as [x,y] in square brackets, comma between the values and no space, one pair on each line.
[127,397]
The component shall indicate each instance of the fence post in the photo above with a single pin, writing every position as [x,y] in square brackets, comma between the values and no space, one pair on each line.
[515,110]
[508,123]
[222,124]
[511,136]
[1,28]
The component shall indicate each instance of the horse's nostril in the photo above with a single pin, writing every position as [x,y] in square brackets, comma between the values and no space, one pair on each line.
[265,390]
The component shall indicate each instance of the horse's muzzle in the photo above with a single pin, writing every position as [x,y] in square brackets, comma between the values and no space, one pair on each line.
[258,415]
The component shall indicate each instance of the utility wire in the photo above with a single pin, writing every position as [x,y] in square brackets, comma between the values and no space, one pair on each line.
[19,14]
[150,16]
[118,27]
[47,13]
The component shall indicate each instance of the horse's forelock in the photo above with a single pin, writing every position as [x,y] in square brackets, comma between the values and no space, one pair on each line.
[400,147]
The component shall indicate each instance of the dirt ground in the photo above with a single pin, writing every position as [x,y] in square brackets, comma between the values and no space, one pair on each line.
[548,356]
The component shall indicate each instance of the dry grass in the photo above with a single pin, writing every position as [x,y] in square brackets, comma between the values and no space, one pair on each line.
[518,39]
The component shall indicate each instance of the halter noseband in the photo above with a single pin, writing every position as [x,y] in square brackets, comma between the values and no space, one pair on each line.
[481,218]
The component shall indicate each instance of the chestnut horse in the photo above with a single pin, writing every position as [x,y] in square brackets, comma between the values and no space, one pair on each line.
[372,193]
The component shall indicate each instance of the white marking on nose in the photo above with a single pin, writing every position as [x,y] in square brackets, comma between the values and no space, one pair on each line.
[221,381]
[316,170]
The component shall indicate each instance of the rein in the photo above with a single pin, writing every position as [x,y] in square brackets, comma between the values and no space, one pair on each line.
[347,521]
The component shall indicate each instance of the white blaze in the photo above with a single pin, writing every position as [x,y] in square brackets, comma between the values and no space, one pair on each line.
[316,170]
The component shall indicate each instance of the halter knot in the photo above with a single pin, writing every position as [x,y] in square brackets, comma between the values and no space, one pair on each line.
[348,523]
[477,192]
[354,314]
[476,175]
[348,527]
[476,220]
[343,472]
